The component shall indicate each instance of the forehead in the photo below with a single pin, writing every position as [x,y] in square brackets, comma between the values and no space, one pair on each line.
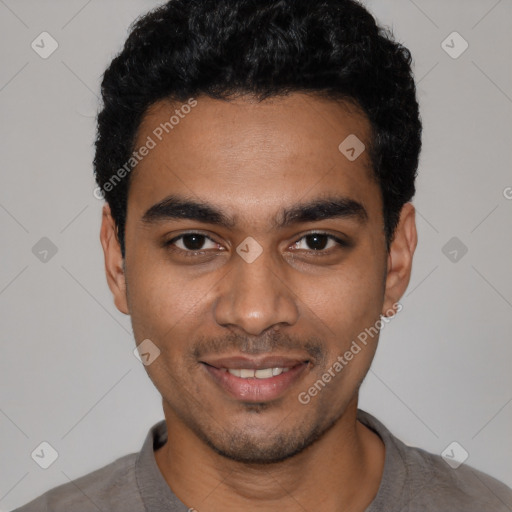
[252,158]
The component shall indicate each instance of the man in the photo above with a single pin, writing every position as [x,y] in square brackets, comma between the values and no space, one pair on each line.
[258,160]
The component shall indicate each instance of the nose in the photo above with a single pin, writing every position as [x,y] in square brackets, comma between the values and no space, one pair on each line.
[255,297]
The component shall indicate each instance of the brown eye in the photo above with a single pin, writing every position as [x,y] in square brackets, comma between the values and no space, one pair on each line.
[316,241]
[190,243]
[193,241]
[319,242]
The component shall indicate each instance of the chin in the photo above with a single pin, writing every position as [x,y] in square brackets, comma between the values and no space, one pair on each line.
[248,448]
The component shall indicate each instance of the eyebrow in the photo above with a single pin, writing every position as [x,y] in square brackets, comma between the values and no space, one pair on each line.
[176,207]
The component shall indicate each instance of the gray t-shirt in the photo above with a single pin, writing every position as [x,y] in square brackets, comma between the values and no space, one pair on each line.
[413,480]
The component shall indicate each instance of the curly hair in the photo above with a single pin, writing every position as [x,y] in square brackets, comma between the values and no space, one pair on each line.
[265,48]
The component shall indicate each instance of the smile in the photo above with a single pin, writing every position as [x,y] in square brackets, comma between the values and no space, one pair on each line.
[252,380]
[264,373]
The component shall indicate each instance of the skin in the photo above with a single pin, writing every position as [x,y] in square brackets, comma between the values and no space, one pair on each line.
[250,160]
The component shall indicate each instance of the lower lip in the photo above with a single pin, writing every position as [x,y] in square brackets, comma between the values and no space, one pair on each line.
[253,389]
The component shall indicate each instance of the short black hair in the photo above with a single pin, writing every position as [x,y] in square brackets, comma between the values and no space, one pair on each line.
[265,48]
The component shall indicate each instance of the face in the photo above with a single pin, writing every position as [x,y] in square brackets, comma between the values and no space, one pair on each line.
[255,256]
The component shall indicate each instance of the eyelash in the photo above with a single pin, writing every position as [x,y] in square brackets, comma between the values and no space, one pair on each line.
[188,253]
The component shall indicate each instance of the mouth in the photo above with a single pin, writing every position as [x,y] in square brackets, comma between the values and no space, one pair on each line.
[255,380]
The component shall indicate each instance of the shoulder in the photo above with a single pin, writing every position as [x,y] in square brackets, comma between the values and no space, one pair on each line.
[415,480]
[108,488]
[434,485]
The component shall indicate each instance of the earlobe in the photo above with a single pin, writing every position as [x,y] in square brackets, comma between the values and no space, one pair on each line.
[400,258]
[114,263]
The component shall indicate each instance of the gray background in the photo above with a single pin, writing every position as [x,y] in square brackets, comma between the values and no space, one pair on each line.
[68,375]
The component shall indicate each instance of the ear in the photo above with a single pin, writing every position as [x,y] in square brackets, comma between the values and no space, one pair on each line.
[114,267]
[400,258]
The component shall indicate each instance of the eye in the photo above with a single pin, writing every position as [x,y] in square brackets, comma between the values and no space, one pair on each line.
[190,243]
[319,242]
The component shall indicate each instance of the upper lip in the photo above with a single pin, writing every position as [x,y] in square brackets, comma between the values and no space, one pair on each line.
[239,362]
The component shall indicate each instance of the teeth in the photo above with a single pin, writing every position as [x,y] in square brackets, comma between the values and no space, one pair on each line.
[263,373]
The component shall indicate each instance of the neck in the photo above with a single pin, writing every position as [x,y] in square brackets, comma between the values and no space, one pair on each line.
[342,470]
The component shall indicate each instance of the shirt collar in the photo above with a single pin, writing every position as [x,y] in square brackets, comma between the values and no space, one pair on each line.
[156,494]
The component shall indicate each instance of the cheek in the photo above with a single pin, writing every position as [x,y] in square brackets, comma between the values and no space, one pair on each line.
[161,299]
[348,299]
[346,311]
